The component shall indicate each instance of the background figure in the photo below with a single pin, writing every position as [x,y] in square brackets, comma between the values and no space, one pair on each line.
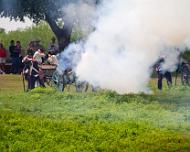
[161,74]
[53,46]
[15,51]
[52,59]
[3,56]
[38,55]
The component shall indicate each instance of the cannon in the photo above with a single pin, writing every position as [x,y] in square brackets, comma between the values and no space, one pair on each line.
[61,80]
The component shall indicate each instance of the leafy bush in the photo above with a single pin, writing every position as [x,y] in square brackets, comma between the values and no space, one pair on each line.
[40,32]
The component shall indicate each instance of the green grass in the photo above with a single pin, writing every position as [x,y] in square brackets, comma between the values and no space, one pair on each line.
[29,133]
[47,120]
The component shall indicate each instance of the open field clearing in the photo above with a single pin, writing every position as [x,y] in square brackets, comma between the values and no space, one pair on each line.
[47,120]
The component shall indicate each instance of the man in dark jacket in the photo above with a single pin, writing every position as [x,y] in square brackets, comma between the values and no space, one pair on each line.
[15,52]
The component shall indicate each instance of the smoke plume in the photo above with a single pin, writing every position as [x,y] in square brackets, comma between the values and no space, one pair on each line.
[130,37]
[70,57]
[82,14]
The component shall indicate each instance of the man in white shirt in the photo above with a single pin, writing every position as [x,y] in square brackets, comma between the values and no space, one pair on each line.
[38,55]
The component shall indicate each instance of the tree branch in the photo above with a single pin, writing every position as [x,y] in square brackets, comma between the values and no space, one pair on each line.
[51,21]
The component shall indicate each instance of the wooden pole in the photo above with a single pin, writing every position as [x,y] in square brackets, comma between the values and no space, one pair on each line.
[23,81]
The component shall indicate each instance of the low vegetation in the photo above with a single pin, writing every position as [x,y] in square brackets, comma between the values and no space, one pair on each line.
[40,32]
[47,120]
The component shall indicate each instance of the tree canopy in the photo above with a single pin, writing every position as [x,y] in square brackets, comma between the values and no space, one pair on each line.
[48,10]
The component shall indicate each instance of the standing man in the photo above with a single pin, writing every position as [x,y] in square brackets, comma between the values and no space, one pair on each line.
[39,55]
[15,51]
[38,58]
[161,74]
[52,59]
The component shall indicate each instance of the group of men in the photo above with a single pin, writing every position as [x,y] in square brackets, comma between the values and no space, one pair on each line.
[3,55]
[15,54]
[33,63]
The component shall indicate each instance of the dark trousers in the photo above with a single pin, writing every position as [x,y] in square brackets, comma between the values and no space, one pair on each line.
[31,82]
[41,82]
[168,77]
[15,65]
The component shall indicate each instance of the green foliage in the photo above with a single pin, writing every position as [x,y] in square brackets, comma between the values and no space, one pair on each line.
[40,32]
[2,30]
[37,10]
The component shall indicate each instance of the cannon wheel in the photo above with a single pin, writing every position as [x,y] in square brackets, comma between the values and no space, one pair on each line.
[60,82]
[57,81]
[185,75]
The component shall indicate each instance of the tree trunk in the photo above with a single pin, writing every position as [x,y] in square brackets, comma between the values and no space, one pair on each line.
[63,34]
[63,42]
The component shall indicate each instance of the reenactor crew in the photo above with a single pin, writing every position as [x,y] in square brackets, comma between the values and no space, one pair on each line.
[162,73]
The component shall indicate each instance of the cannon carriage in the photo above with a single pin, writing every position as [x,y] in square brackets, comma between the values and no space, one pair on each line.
[48,71]
[56,79]
[61,80]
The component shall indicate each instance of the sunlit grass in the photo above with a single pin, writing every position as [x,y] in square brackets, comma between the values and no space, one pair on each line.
[11,84]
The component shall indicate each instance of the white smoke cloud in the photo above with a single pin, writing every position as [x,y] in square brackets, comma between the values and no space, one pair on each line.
[82,14]
[70,57]
[129,39]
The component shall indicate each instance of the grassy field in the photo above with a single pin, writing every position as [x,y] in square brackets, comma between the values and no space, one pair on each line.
[47,120]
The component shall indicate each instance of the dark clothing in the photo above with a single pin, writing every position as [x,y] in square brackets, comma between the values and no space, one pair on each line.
[15,65]
[161,74]
[32,81]
[15,53]
[168,77]
[30,52]
[11,50]
[33,74]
